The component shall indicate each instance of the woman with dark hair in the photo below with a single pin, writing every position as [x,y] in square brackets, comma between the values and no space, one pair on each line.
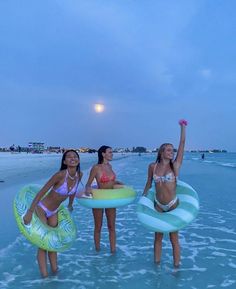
[164,172]
[106,179]
[62,185]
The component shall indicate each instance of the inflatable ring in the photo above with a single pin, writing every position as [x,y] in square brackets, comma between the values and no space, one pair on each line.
[108,198]
[170,221]
[56,239]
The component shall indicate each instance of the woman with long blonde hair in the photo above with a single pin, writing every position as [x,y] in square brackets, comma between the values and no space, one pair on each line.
[164,172]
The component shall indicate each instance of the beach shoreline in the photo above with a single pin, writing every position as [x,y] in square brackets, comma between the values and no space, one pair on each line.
[207,244]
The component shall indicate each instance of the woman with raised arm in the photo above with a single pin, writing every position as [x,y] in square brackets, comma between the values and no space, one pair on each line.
[106,179]
[164,172]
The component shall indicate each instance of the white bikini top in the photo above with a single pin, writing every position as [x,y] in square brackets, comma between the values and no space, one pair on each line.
[168,178]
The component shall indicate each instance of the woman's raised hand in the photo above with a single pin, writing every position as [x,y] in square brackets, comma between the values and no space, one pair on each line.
[183,122]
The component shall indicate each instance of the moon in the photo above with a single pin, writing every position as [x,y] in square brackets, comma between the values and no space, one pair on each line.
[99,108]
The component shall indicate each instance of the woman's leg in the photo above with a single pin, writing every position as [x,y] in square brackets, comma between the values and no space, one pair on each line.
[97,215]
[111,223]
[53,222]
[174,238]
[42,262]
[42,254]
[158,247]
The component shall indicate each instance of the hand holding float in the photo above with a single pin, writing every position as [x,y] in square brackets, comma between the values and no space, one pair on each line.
[183,122]
[27,217]
[70,208]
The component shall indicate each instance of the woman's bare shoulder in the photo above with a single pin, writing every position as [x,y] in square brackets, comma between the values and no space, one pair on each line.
[57,177]
[60,174]
[95,168]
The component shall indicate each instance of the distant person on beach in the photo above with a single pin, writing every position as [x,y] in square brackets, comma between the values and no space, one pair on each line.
[106,179]
[62,185]
[203,156]
[164,172]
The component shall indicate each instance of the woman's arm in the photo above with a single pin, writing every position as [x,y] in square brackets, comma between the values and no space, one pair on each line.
[71,201]
[72,197]
[54,179]
[180,151]
[149,180]
[92,175]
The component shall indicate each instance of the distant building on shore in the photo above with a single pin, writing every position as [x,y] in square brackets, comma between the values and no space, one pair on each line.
[36,147]
[86,150]
[54,149]
[209,151]
[139,150]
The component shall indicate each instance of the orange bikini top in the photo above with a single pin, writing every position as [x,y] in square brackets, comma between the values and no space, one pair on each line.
[106,179]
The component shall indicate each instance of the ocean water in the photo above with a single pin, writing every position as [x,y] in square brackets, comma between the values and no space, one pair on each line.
[208,244]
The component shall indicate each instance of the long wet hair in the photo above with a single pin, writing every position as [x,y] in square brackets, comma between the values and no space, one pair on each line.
[102,150]
[63,166]
[160,151]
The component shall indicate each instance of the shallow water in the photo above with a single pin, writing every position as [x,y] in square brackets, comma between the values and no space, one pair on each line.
[208,245]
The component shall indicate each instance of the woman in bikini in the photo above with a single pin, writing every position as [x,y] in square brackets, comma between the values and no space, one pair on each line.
[62,185]
[106,179]
[164,172]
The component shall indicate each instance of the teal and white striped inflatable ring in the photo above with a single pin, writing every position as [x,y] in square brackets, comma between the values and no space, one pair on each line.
[43,236]
[170,221]
[109,198]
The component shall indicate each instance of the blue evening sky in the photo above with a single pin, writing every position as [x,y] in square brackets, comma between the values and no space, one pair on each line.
[149,62]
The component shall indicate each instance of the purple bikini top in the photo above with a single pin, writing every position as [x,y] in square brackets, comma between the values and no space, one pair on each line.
[63,189]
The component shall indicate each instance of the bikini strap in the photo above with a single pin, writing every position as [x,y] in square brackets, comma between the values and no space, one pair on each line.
[154,169]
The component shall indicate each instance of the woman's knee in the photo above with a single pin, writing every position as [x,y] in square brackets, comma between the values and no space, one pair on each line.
[97,231]
[174,239]
[158,237]
[111,219]
[53,221]
[111,227]
[98,228]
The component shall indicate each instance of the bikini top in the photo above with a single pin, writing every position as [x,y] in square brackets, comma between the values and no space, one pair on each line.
[63,189]
[106,179]
[168,178]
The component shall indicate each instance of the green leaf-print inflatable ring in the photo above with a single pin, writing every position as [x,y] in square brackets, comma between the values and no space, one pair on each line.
[56,239]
